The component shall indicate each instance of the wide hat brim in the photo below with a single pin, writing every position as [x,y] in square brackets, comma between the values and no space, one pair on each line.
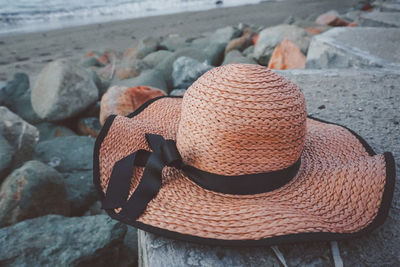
[342,189]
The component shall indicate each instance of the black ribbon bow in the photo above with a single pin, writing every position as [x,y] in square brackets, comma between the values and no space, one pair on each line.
[164,154]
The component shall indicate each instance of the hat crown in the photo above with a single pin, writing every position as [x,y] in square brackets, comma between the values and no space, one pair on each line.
[242,119]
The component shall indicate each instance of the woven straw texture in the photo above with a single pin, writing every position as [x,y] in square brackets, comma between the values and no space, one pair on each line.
[338,188]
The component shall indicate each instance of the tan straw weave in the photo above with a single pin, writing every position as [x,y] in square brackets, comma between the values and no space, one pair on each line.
[243,119]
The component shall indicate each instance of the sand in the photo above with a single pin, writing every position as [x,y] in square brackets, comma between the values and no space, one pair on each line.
[30,52]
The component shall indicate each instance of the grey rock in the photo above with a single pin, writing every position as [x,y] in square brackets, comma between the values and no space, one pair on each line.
[377,91]
[81,193]
[17,97]
[153,78]
[249,51]
[62,90]
[174,42]
[21,135]
[89,126]
[224,35]
[165,67]
[146,46]
[235,56]
[91,62]
[49,131]
[153,59]
[215,53]
[95,209]
[355,47]
[187,70]
[270,37]
[177,92]
[380,19]
[31,191]
[6,155]
[102,86]
[54,240]
[67,154]
[389,7]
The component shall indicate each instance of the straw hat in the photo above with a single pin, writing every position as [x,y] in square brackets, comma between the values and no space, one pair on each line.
[236,161]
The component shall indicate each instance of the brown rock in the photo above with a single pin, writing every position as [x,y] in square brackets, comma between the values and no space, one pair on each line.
[242,42]
[314,30]
[122,100]
[287,56]
[331,19]
[89,126]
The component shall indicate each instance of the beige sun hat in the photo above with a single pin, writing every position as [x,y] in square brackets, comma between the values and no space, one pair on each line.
[236,161]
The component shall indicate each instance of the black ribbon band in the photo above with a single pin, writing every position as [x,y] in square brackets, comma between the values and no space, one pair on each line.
[164,154]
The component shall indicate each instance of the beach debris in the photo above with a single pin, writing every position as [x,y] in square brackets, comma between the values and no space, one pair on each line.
[33,190]
[123,100]
[331,18]
[187,70]
[270,37]
[89,126]
[287,56]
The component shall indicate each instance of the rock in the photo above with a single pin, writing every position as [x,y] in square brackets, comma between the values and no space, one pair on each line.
[146,46]
[242,42]
[91,62]
[31,191]
[49,131]
[152,78]
[72,157]
[6,155]
[67,154]
[81,193]
[54,240]
[388,7]
[380,19]
[153,59]
[186,70]
[236,57]
[89,126]
[331,18]
[287,56]
[129,69]
[177,92]
[95,209]
[21,135]
[225,35]
[355,48]
[62,90]
[92,111]
[248,52]
[124,100]
[102,86]
[272,36]
[165,67]
[17,97]
[174,42]
[214,53]
[377,91]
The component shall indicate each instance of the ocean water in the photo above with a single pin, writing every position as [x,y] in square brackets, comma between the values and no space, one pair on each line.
[20,16]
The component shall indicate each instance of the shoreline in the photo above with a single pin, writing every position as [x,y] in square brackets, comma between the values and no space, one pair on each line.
[30,52]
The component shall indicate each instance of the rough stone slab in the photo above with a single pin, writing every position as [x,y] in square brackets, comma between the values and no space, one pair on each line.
[380,19]
[366,101]
[355,47]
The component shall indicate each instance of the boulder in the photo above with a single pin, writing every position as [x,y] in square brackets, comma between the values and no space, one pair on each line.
[91,61]
[165,67]
[55,240]
[17,97]
[388,7]
[21,135]
[153,59]
[270,37]
[6,156]
[89,126]
[187,70]
[177,92]
[331,18]
[130,68]
[152,78]
[49,131]
[287,56]
[241,43]
[225,35]
[122,100]
[380,19]
[146,46]
[173,42]
[31,191]
[236,57]
[214,53]
[359,47]
[248,52]
[72,156]
[62,90]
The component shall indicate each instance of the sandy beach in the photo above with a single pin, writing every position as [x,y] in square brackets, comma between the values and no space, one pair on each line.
[30,52]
